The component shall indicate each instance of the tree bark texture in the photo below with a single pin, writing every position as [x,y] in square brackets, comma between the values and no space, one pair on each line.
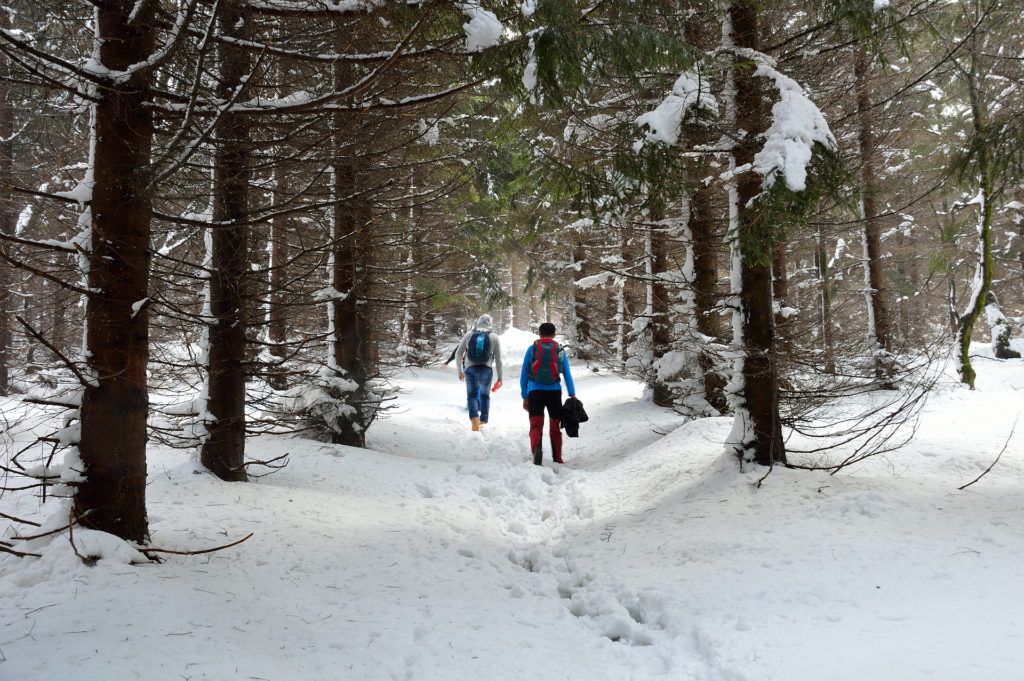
[352,353]
[520,307]
[280,228]
[824,302]
[760,378]
[661,332]
[706,238]
[983,278]
[112,497]
[419,312]
[1019,219]
[223,452]
[579,311]
[7,218]
[780,291]
[878,313]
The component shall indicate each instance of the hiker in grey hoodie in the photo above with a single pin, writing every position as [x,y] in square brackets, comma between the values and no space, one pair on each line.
[480,350]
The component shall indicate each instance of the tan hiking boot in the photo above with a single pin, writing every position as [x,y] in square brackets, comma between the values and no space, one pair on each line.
[476,424]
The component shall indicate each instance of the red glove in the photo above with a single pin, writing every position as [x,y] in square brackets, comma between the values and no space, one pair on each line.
[496,386]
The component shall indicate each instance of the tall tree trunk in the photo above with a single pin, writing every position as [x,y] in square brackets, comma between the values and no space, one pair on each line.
[577,312]
[622,325]
[112,495]
[1018,219]
[658,305]
[416,309]
[780,292]
[874,275]
[705,281]
[278,249]
[352,350]
[520,308]
[705,237]
[29,293]
[280,229]
[824,301]
[7,218]
[537,312]
[983,273]
[63,305]
[223,452]
[759,432]
[277,281]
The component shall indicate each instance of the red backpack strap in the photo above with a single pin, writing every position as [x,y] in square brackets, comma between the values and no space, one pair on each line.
[538,355]
[536,360]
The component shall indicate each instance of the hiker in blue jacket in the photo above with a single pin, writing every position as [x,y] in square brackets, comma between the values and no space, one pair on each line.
[541,387]
[480,349]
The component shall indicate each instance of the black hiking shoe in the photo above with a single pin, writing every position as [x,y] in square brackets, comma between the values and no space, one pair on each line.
[538,455]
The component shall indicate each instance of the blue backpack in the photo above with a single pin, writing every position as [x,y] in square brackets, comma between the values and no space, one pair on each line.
[478,351]
[546,365]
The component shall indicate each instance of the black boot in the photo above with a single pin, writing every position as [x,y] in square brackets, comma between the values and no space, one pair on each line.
[538,455]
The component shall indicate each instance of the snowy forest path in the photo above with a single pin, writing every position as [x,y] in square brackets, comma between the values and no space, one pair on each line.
[438,554]
[472,514]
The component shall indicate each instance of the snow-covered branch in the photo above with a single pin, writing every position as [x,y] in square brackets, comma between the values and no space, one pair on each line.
[690,91]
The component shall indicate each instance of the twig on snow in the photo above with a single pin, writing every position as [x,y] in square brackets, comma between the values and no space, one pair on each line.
[19,520]
[146,549]
[993,464]
[269,463]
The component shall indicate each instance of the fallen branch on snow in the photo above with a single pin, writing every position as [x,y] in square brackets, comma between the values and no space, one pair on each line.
[993,464]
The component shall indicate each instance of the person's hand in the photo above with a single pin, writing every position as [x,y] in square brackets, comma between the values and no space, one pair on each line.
[572,396]
[526,405]
[462,376]
[496,386]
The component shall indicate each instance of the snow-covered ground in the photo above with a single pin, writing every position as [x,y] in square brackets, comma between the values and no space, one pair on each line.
[440,554]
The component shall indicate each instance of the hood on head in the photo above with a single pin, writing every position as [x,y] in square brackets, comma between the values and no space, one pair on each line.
[485,323]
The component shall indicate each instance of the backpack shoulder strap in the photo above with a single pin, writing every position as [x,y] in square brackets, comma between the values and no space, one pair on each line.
[537,354]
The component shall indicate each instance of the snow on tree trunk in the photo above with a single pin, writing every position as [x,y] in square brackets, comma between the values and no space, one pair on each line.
[1001,330]
[223,452]
[7,218]
[621,324]
[351,359]
[982,282]
[704,281]
[874,275]
[757,432]
[409,330]
[111,493]
[419,312]
[1018,219]
[980,286]
[780,293]
[658,296]
[821,264]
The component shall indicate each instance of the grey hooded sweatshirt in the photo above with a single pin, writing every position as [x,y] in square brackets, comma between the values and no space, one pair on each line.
[485,323]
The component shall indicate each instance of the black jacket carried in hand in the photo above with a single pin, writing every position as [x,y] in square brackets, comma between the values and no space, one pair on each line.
[571,416]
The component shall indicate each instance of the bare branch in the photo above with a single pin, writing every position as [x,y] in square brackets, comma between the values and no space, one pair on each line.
[146,549]
[49,346]
[993,464]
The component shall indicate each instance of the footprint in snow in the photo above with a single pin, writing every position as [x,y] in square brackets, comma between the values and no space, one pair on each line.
[629,617]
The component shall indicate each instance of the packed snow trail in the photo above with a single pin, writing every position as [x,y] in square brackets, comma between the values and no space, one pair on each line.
[437,554]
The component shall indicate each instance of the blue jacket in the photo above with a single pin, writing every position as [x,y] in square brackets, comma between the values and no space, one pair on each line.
[526,385]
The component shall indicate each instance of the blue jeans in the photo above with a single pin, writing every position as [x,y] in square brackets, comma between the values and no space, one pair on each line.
[478,391]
